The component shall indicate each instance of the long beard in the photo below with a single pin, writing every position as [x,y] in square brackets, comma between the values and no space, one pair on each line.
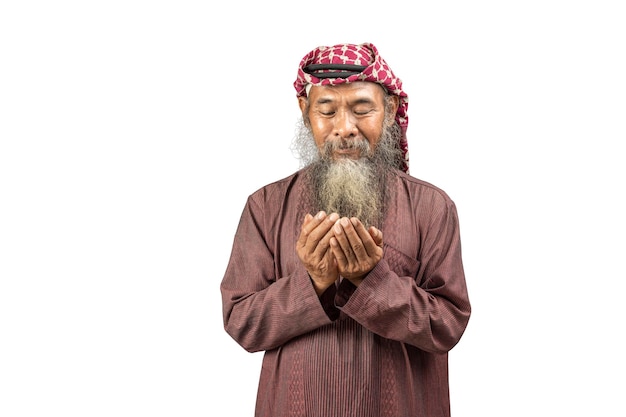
[351,188]
[348,187]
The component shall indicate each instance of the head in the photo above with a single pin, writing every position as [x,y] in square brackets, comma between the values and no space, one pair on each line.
[328,66]
[352,132]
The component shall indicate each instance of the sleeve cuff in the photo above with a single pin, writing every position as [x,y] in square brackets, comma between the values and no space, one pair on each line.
[344,292]
[327,299]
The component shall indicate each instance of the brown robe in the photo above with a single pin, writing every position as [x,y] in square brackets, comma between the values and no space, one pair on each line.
[379,350]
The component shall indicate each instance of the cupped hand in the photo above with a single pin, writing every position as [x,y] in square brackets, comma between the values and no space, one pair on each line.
[313,249]
[357,249]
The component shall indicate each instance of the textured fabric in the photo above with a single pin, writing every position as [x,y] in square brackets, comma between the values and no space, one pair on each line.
[376,70]
[379,350]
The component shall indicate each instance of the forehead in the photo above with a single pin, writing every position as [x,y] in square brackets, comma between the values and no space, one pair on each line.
[360,90]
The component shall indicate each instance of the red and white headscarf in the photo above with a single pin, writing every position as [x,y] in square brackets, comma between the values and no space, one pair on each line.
[346,63]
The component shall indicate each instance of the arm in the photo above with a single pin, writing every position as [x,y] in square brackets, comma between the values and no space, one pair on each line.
[261,310]
[430,313]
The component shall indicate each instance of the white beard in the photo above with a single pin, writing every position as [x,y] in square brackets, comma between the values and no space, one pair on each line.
[351,188]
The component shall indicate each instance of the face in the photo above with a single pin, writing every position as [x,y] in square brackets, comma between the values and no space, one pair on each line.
[345,114]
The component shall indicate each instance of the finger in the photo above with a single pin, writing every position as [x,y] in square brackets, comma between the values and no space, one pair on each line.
[371,239]
[343,248]
[322,247]
[356,235]
[308,226]
[377,236]
[318,239]
[340,257]
[337,245]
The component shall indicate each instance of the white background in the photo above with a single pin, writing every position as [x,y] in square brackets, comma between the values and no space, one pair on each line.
[133,131]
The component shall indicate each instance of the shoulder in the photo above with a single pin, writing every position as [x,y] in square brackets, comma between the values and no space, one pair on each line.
[276,191]
[423,190]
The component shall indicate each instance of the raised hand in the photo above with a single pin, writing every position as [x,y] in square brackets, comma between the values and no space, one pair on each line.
[356,249]
[313,248]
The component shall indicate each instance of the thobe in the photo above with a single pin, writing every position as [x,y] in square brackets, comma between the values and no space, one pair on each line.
[377,350]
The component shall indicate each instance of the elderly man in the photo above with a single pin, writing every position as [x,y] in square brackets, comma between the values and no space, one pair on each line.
[348,273]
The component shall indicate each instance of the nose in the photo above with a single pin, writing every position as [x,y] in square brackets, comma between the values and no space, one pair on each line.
[345,125]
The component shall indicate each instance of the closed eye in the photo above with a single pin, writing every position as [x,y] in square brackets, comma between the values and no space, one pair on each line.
[363,110]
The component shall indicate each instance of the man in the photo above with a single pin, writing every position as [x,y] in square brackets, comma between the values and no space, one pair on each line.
[348,273]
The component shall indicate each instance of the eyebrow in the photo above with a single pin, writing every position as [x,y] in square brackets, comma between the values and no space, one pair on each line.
[359,100]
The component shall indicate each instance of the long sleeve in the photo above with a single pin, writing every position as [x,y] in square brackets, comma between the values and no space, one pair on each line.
[267,296]
[422,301]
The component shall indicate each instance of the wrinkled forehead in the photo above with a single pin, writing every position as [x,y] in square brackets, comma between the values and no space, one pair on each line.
[361,88]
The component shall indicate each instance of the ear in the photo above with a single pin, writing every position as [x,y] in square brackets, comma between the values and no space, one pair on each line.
[394,103]
[302,102]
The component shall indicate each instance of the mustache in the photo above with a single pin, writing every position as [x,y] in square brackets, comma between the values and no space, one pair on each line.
[332,145]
